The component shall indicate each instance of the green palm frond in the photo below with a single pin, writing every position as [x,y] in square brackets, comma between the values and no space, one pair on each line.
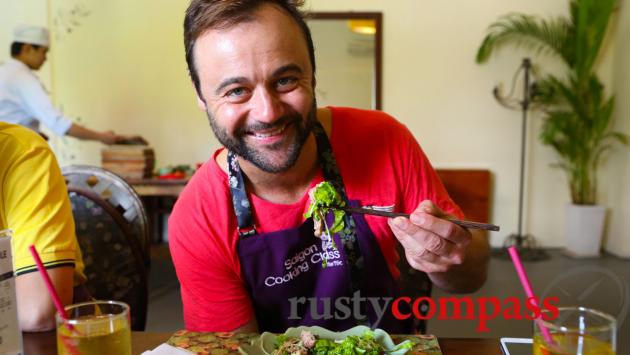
[544,93]
[558,130]
[619,137]
[603,118]
[519,30]
[590,19]
[577,111]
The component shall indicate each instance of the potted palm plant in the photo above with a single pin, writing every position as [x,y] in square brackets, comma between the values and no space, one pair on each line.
[577,112]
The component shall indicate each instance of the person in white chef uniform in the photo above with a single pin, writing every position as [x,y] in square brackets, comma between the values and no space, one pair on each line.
[23,99]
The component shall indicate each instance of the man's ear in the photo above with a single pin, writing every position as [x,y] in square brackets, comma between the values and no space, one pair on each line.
[201,103]
[27,48]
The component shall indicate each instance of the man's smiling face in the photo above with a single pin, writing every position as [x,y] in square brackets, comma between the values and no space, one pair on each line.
[257,87]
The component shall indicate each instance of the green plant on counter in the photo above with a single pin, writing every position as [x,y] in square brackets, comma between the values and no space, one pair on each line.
[577,111]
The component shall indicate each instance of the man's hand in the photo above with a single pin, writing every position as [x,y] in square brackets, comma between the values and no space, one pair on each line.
[109,137]
[432,244]
[131,140]
[454,259]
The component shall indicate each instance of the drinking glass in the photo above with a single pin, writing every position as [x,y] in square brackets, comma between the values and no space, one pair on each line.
[576,331]
[97,327]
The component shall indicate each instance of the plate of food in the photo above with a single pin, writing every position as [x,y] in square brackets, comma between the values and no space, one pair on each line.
[319,341]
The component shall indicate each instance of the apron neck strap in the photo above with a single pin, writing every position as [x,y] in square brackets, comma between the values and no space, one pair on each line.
[240,201]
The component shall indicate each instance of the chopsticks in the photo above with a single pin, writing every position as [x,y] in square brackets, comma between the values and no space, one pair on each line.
[465,224]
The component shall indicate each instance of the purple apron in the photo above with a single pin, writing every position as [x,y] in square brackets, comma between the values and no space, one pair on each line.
[285,277]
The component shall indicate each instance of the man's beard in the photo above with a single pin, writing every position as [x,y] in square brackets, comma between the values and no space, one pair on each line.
[236,144]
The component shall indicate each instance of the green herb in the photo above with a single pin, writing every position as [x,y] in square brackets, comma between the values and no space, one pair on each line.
[365,344]
[280,339]
[351,345]
[325,198]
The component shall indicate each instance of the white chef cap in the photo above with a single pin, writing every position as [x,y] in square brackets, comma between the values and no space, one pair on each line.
[32,35]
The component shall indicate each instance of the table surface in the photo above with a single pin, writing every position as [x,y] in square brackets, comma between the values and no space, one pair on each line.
[157,182]
[158,187]
[45,344]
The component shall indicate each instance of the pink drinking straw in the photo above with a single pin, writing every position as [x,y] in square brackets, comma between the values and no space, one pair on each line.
[55,297]
[520,270]
[49,285]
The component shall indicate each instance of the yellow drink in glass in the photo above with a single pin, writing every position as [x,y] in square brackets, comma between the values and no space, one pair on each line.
[571,344]
[99,327]
[576,331]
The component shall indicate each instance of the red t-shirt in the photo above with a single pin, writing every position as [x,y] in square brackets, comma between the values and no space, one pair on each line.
[381,164]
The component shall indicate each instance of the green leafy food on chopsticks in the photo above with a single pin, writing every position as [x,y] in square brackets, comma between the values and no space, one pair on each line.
[325,198]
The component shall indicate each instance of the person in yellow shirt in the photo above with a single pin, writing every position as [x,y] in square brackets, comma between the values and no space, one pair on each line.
[34,204]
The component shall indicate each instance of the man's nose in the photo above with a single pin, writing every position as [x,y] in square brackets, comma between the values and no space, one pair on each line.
[266,106]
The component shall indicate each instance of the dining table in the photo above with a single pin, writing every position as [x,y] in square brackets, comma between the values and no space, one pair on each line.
[158,187]
[44,343]
[158,197]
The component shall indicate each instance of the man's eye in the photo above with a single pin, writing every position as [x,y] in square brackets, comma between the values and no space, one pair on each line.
[286,83]
[235,92]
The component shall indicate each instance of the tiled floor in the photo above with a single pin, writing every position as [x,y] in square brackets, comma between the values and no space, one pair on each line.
[165,306]
[603,284]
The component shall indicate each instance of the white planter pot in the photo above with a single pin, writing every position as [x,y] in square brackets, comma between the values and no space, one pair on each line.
[585,226]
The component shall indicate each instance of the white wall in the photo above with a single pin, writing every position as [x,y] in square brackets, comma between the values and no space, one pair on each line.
[619,172]
[123,68]
[431,83]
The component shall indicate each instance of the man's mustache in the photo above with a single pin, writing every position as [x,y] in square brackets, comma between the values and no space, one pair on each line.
[259,126]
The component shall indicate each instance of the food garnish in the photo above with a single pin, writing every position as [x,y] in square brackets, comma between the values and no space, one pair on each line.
[324,198]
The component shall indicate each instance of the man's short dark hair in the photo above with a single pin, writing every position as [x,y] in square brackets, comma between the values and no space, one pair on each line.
[16,48]
[203,15]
